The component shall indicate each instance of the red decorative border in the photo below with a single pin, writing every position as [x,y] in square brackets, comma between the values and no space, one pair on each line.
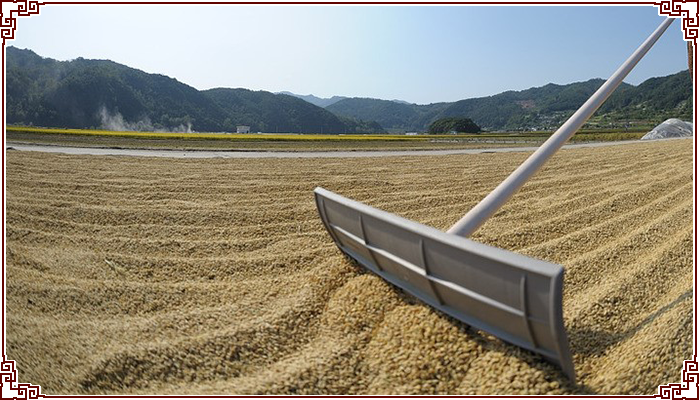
[674,11]
[688,26]
[13,390]
[11,22]
[11,26]
[687,10]
[687,389]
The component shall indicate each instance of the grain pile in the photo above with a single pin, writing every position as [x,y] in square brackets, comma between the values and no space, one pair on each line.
[175,276]
[671,128]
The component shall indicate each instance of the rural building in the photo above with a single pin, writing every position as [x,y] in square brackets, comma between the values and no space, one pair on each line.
[242,129]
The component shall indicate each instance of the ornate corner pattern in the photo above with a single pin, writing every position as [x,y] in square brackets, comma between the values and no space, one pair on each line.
[688,25]
[687,389]
[687,10]
[11,22]
[13,390]
[674,11]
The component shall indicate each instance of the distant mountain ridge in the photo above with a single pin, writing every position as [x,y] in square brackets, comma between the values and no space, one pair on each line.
[538,108]
[326,101]
[317,101]
[93,93]
[96,93]
[389,114]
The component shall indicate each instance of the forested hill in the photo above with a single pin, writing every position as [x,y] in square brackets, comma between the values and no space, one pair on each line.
[99,93]
[391,115]
[282,113]
[540,108]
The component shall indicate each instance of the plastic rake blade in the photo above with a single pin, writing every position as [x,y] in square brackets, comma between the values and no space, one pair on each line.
[516,298]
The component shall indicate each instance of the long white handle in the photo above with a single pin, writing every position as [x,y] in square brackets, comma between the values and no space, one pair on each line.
[491,203]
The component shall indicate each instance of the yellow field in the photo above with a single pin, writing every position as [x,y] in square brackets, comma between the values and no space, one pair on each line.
[292,137]
[228,136]
[216,276]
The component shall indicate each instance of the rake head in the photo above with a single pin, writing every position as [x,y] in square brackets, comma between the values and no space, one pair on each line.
[513,297]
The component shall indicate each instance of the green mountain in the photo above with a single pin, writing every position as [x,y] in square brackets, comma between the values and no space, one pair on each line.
[317,101]
[390,114]
[268,112]
[540,108]
[99,93]
[655,99]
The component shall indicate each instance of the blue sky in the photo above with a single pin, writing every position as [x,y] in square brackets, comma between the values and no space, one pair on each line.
[421,54]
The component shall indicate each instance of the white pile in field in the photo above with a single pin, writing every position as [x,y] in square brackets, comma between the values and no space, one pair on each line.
[149,276]
[671,128]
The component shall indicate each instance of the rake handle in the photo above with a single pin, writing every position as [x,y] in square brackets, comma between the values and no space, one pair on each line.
[494,200]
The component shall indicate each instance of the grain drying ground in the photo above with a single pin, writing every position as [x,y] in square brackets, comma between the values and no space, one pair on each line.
[139,275]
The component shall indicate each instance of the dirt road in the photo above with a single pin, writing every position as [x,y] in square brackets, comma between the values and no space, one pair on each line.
[100,151]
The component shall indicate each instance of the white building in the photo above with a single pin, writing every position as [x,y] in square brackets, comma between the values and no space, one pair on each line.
[242,129]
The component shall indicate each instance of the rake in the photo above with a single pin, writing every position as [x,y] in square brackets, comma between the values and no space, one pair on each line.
[515,298]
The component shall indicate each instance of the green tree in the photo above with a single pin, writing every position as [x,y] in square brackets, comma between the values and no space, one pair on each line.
[459,125]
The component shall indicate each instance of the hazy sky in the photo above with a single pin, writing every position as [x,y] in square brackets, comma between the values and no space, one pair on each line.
[421,54]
